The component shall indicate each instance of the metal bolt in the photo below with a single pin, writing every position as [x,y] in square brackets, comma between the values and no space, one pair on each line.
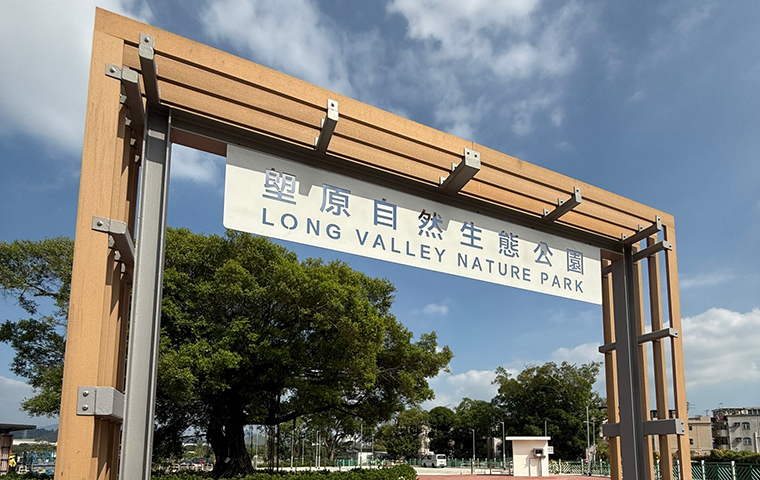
[100,224]
[112,70]
[146,39]
[85,408]
[86,392]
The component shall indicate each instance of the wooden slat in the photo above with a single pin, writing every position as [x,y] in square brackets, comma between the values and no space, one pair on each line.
[88,448]
[391,132]
[679,381]
[638,290]
[246,117]
[658,357]
[610,370]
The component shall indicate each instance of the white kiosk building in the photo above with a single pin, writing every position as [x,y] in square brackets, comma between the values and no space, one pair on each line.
[530,456]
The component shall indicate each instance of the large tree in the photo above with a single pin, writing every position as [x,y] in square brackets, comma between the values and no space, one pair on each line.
[441,422]
[556,394]
[403,436]
[37,276]
[252,335]
[477,415]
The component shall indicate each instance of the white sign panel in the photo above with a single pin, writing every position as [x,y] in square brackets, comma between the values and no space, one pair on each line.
[278,198]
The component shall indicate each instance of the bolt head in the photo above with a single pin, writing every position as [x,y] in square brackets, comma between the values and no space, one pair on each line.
[86,393]
[85,408]
[100,224]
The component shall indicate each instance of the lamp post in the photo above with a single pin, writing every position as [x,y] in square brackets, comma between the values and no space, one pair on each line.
[472,464]
[361,440]
[503,447]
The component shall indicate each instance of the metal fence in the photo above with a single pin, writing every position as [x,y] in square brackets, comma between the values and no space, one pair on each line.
[699,470]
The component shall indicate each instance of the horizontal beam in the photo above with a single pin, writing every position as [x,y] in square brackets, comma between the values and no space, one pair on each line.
[461,172]
[564,206]
[121,241]
[649,251]
[659,334]
[149,68]
[106,403]
[643,233]
[328,127]
[647,337]
[671,426]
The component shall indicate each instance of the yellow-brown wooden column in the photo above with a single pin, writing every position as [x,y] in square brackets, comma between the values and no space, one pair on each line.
[679,381]
[610,370]
[88,447]
[643,364]
[658,359]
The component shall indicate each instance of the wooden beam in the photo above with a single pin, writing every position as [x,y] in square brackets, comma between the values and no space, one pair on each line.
[658,356]
[88,446]
[610,370]
[679,379]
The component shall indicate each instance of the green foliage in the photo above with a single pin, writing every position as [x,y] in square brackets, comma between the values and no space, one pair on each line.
[729,456]
[558,394]
[441,422]
[477,415]
[37,275]
[403,436]
[399,472]
[252,335]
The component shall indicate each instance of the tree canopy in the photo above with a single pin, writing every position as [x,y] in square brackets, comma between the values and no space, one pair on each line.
[252,335]
[557,394]
[37,275]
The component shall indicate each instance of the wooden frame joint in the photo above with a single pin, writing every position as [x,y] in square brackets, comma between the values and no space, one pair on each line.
[564,206]
[328,127]
[643,233]
[461,172]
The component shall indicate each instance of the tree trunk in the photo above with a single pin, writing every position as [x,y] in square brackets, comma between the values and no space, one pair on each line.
[228,443]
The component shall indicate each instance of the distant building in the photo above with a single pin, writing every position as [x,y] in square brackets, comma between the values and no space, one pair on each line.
[736,429]
[700,435]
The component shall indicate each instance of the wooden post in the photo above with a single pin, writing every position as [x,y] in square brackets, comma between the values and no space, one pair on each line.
[610,369]
[658,359]
[679,382]
[643,364]
[95,341]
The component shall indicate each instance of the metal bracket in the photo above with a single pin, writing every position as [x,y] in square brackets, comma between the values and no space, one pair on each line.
[131,84]
[671,426]
[120,240]
[328,127]
[643,233]
[105,403]
[149,68]
[564,206]
[650,251]
[461,172]
[647,337]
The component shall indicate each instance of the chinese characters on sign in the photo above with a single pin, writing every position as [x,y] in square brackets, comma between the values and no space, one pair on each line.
[271,196]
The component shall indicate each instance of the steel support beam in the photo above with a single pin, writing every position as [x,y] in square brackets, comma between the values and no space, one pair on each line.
[564,206]
[643,233]
[149,68]
[461,172]
[652,250]
[626,351]
[142,361]
[328,127]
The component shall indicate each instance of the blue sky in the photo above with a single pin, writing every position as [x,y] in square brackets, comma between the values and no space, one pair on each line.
[656,101]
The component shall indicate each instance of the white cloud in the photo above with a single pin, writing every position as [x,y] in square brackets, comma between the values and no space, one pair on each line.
[196,166]
[704,280]
[434,309]
[451,388]
[12,392]
[46,64]
[720,348]
[585,353]
[290,36]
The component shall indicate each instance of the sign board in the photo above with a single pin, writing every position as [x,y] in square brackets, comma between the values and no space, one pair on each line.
[279,198]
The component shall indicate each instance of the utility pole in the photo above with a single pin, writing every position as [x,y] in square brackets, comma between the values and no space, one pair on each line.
[472,464]
[503,448]
[361,439]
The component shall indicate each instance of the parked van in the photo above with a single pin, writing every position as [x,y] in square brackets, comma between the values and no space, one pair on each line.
[434,460]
